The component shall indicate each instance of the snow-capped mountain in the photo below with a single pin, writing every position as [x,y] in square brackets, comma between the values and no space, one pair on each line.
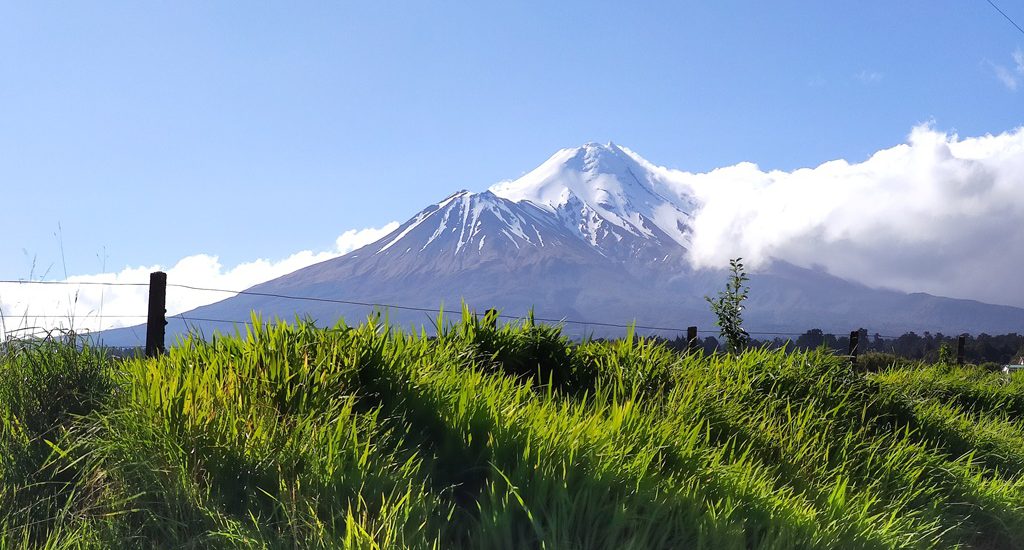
[594,233]
[611,198]
[606,197]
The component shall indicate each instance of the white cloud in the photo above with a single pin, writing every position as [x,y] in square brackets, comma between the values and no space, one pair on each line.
[353,238]
[93,307]
[1018,58]
[938,214]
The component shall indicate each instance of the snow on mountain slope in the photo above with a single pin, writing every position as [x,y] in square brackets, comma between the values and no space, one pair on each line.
[466,230]
[463,220]
[462,223]
[610,197]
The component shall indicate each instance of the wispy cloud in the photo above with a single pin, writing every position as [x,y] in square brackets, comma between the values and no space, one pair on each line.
[869,77]
[1011,77]
[1007,77]
[93,308]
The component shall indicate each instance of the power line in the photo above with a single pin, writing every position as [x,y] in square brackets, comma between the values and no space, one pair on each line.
[1001,12]
[411,308]
[84,316]
[342,302]
[208,320]
[374,304]
[70,283]
[306,298]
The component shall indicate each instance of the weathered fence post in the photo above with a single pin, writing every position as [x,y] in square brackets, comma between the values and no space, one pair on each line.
[854,344]
[961,342]
[156,321]
[691,339]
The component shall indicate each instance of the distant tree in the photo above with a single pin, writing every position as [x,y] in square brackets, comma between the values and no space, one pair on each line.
[728,307]
[909,345]
[877,343]
[811,339]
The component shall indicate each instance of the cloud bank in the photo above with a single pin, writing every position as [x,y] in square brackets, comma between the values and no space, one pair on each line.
[90,307]
[939,214]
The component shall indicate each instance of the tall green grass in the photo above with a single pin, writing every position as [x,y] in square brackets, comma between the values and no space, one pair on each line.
[499,437]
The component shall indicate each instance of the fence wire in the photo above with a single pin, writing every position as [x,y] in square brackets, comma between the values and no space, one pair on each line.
[382,305]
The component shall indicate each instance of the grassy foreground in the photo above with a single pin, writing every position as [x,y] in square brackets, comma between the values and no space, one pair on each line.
[364,437]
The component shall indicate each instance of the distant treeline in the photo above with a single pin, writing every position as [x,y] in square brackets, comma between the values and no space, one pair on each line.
[983,348]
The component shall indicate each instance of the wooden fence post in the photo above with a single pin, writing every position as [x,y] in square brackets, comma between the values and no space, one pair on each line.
[961,342]
[854,344]
[156,321]
[691,339]
[491,318]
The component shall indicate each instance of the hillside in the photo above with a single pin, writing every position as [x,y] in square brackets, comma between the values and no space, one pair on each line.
[365,437]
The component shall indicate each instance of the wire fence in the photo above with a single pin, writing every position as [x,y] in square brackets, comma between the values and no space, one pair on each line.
[367,304]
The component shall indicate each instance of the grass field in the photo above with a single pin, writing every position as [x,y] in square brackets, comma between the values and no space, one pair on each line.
[365,437]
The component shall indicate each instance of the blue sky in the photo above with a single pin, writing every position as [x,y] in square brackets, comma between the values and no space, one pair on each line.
[140,133]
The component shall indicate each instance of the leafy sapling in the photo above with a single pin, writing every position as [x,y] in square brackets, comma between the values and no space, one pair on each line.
[946,356]
[728,307]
